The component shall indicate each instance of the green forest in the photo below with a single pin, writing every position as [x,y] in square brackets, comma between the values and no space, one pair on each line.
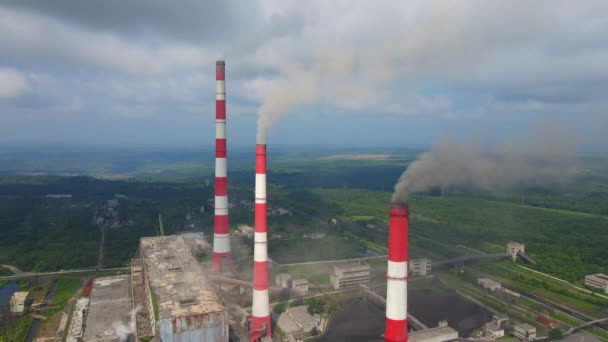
[565,228]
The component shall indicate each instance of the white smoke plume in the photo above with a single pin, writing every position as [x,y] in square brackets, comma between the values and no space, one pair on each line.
[124,331]
[543,158]
[334,80]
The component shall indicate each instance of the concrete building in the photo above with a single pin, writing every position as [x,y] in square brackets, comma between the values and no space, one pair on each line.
[304,320]
[496,327]
[314,235]
[515,247]
[188,307]
[489,284]
[349,275]
[283,280]
[17,302]
[420,267]
[287,325]
[300,286]
[599,281]
[109,306]
[76,324]
[525,332]
[442,333]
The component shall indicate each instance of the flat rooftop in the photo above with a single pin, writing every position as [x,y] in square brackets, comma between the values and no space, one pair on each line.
[435,334]
[176,278]
[109,307]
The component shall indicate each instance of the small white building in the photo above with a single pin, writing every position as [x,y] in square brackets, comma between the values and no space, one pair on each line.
[599,281]
[525,332]
[283,280]
[349,275]
[495,328]
[420,267]
[303,319]
[300,286]
[17,302]
[489,284]
[515,247]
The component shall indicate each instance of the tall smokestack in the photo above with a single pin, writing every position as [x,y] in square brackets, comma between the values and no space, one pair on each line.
[396,275]
[260,312]
[221,232]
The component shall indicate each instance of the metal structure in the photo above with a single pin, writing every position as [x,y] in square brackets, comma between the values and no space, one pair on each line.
[222,257]
[260,312]
[397,274]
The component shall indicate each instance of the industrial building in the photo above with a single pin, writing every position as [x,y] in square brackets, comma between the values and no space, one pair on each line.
[525,332]
[77,323]
[304,320]
[109,305]
[598,281]
[296,321]
[283,280]
[300,286]
[513,248]
[489,284]
[17,302]
[188,308]
[349,275]
[442,333]
[496,327]
[420,267]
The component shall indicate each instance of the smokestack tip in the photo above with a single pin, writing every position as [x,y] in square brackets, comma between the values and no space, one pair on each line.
[399,209]
[220,62]
[260,149]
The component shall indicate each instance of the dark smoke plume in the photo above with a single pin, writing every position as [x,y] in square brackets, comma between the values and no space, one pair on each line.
[545,157]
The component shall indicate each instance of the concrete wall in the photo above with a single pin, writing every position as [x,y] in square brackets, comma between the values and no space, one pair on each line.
[209,327]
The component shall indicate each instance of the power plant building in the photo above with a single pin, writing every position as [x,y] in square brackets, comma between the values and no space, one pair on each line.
[420,267]
[599,281]
[350,275]
[525,332]
[187,306]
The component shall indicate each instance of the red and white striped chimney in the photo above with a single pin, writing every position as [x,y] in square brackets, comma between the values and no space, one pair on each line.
[260,311]
[396,275]
[221,232]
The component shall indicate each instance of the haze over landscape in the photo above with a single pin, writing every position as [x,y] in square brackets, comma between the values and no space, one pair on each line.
[423,171]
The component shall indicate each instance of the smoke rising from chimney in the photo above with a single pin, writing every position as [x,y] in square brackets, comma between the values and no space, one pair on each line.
[545,157]
[342,77]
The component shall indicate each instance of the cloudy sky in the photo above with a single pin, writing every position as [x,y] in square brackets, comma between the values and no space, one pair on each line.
[141,72]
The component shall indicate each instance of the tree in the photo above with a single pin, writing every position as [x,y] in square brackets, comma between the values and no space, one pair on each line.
[279,308]
[555,334]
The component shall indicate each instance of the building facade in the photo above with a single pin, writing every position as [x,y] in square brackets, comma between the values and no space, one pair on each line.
[598,281]
[489,284]
[349,275]
[525,332]
[420,267]
[188,307]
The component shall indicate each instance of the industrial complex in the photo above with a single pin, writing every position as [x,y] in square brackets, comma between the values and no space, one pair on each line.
[172,294]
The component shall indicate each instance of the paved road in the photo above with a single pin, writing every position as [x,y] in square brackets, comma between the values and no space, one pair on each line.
[82,270]
[13,269]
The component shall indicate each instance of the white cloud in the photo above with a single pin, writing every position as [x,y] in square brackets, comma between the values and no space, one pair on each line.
[12,83]
[39,38]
